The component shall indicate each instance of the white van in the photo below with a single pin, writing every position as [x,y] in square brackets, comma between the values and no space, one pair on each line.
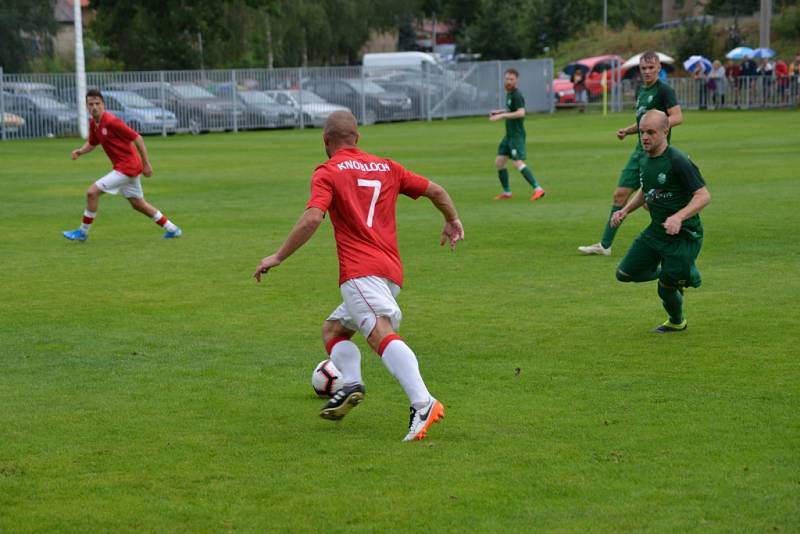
[402,60]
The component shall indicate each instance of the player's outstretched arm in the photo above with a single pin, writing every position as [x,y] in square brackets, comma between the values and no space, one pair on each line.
[85,149]
[674,115]
[453,231]
[700,199]
[633,204]
[303,229]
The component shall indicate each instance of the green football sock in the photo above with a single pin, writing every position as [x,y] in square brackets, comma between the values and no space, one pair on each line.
[503,175]
[672,300]
[528,175]
[609,232]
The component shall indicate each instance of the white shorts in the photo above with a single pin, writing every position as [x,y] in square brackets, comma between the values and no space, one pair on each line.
[114,182]
[366,299]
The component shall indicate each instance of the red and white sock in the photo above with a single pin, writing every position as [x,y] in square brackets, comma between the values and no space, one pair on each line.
[88,219]
[347,358]
[401,361]
[161,220]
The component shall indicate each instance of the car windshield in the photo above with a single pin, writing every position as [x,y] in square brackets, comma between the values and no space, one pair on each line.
[191,91]
[257,98]
[48,103]
[132,100]
[370,88]
[309,97]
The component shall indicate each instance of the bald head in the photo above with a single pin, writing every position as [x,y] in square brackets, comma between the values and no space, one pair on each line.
[655,118]
[341,129]
[653,131]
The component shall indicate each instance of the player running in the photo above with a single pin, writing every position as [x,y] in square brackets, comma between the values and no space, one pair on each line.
[652,94]
[360,192]
[513,144]
[118,141]
[674,192]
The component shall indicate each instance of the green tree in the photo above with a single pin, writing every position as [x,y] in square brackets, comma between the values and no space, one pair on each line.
[24,24]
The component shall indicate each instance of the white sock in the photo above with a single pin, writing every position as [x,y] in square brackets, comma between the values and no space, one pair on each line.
[401,361]
[347,358]
[88,219]
[161,220]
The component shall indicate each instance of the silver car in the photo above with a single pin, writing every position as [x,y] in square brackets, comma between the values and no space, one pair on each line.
[315,109]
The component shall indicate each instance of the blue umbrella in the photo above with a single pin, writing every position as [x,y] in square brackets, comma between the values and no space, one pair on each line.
[740,52]
[763,53]
[690,63]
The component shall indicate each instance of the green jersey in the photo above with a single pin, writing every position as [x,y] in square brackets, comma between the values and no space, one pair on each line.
[658,96]
[515,127]
[668,182]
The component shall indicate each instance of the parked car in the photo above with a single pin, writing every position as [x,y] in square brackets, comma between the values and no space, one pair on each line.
[379,104]
[30,88]
[197,109]
[11,123]
[261,110]
[315,109]
[139,113]
[593,68]
[422,94]
[43,115]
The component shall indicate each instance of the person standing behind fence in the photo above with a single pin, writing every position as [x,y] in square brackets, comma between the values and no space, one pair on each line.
[717,84]
[732,73]
[794,73]
[748,79]
[700,80]
[652,94]
[579,86]
[126,150]
[513,144]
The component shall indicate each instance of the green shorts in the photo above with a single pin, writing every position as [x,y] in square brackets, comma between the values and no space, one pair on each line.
[514,148]
[675,256]
[630,174]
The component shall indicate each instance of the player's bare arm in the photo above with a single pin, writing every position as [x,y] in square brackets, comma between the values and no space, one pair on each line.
[628,130]
[303,229]
[633,204]
[453,230]
[674,115]
[147,169]
[700,199]
[85,149]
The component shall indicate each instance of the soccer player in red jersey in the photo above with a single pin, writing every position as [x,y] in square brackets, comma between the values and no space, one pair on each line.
[360,192]
[118,141]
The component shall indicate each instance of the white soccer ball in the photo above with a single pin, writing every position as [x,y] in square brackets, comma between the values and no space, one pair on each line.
[326,379]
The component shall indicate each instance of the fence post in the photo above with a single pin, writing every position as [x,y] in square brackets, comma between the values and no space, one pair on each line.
[2,108]
[500,87]
[233,99]
[300,96]
[426,94]
[363,99]
[163,110]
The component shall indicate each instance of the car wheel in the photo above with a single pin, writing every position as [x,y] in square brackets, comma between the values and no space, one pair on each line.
[370,116]
[194,126]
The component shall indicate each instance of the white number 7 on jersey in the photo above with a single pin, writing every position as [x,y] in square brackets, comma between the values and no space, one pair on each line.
[375,184]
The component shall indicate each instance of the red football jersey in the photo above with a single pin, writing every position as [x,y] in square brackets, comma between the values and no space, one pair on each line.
[360,191]
[117,140]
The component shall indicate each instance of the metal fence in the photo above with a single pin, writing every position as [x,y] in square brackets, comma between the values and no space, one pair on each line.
[166,102]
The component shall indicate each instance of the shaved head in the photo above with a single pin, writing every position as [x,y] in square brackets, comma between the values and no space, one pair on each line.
[341,126]
[658,119]
[653,132]
[341,129]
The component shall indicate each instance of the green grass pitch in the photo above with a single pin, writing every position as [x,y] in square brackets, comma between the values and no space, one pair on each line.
[151,385]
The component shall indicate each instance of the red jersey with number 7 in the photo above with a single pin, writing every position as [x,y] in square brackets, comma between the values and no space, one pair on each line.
[360,192]
[117,140]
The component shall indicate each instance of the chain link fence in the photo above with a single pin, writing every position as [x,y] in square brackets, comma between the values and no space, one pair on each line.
[168,102]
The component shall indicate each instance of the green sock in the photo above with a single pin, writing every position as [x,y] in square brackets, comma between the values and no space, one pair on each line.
[672,300]
[503,175]
[609,232]
[528,175]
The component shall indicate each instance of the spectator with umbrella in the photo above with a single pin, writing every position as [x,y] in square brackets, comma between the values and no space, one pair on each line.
[699,66]
[748,79]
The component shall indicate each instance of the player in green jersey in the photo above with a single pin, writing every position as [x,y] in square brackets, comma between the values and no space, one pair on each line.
[674,192]
[653,94]
[513,144]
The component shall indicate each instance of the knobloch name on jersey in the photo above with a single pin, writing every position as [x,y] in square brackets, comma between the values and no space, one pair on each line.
[372,166]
